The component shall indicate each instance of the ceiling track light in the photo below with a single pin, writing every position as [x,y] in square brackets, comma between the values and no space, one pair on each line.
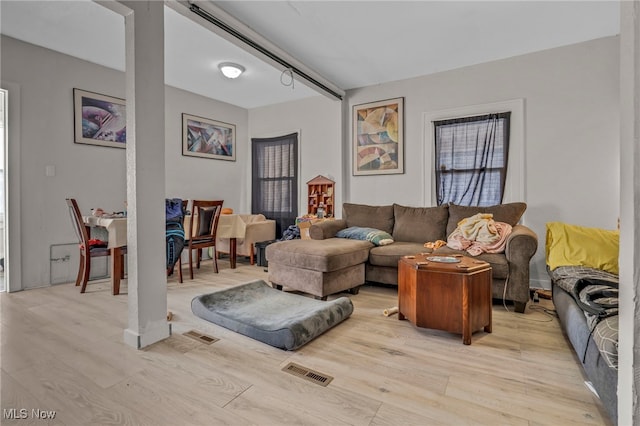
[231,70]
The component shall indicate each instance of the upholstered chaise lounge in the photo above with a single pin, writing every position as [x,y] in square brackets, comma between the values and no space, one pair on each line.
[317,266]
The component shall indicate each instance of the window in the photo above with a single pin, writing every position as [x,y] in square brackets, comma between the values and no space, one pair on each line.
[274,181]
[471,159]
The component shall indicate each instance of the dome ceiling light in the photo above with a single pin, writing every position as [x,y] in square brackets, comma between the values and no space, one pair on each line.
[231,70]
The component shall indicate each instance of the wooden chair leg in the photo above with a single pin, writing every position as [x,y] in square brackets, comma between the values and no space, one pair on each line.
[191,263]
[80,270]
[180,270]
[122,267]
[251,258]
[86,273]
[215,260]
[117,269]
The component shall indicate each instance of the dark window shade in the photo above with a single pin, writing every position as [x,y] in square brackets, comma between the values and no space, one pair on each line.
[471,159]
[274,179]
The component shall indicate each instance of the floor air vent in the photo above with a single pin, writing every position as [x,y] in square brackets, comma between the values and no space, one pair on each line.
[203,338]
[307,374]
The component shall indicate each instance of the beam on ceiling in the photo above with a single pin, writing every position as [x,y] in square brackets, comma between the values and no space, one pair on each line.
[231,29]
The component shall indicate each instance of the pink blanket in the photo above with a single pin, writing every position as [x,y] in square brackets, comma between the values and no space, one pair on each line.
[480,234]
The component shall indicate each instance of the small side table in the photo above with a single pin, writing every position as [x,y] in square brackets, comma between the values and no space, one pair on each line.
[453,297]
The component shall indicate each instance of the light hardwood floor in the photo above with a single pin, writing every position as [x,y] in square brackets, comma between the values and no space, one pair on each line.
[64,351]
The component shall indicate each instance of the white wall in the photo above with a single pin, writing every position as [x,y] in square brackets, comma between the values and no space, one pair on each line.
[95,175]
[571,98]
[318,120]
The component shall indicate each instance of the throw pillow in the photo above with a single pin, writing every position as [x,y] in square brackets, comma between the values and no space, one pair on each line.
[375,236]
[508,213]
[573,245]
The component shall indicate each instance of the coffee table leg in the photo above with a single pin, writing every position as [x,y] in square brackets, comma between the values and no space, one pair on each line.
[489,327]
[466,320]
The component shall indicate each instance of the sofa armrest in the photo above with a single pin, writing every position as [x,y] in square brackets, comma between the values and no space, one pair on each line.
[260,231]
[522,244]
[326,229]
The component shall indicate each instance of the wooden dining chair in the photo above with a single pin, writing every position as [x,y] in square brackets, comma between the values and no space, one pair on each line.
[88,251]
[203,225]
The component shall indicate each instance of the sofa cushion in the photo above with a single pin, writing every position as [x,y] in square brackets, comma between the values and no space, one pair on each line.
[391,254]
[509,213]
[377,217]
[420,224]
[327,255]
[375,236]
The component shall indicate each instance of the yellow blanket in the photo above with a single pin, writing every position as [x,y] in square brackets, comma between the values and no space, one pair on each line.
[573,245]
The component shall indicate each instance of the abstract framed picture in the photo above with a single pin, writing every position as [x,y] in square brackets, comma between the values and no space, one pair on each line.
[378,137]
[202,137]
[99,119]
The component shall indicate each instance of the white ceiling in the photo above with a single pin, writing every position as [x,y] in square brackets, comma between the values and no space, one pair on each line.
[350,43]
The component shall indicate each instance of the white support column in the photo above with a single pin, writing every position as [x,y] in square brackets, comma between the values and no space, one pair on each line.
[147,283]
[629,334]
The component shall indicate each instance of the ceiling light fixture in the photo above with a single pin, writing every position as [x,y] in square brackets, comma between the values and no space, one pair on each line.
[339,94]
[231,70]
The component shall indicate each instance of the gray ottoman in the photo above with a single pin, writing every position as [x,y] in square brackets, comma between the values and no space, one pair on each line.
[318,267]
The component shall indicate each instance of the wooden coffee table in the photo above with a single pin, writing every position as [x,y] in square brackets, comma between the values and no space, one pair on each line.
[454,297]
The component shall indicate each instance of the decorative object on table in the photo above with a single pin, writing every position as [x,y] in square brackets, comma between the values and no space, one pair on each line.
[280,319]
[89,249]
[202,137]
[378,137]
[320,192]
[99,119]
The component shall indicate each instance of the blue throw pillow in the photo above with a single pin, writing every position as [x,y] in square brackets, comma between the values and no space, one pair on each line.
[376,236]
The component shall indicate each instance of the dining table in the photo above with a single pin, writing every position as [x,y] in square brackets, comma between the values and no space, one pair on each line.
[229,226]
[116,228]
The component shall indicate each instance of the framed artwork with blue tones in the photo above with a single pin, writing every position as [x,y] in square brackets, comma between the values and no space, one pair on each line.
[99,119]
[205,138]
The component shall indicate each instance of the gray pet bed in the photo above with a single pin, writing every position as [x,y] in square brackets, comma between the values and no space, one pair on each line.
[277,318]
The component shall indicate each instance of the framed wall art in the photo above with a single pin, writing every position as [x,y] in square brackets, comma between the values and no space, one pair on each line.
[99,119]
[378,137]
[202,137]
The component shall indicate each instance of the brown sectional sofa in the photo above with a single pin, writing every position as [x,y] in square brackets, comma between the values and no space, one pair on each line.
[410,227]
